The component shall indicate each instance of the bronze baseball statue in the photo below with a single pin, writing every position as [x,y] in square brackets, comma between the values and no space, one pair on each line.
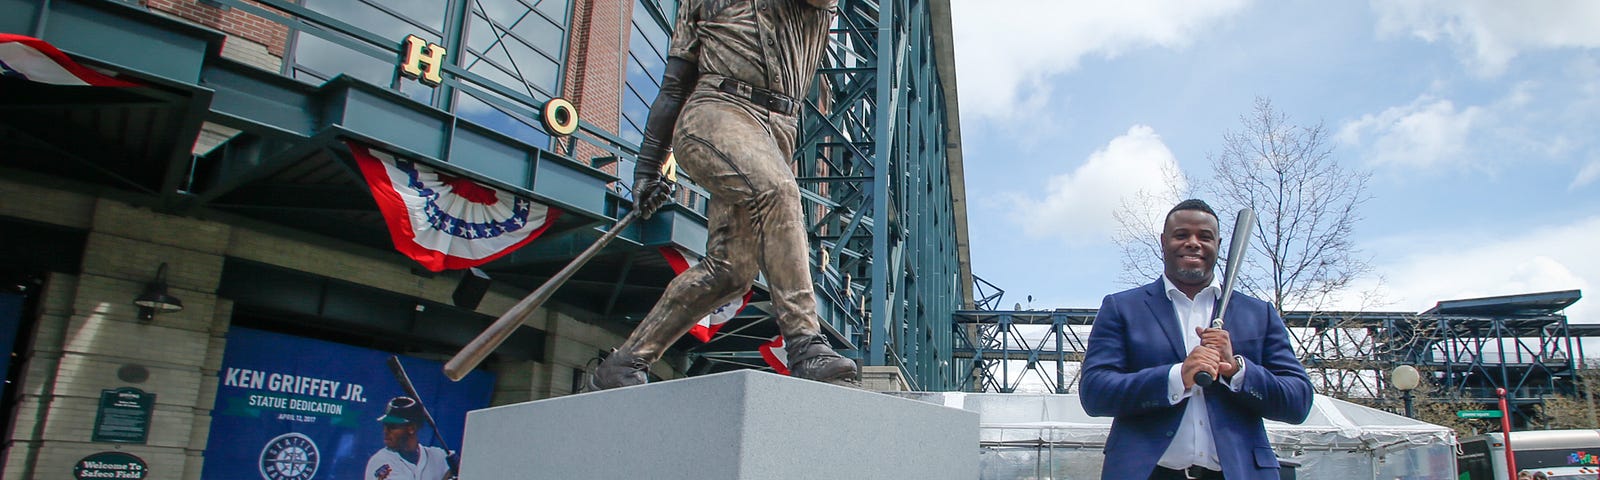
[728,109]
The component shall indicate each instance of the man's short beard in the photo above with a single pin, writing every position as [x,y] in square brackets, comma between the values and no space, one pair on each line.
[1196,275]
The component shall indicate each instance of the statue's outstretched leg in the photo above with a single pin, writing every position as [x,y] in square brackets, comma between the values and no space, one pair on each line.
[754,223]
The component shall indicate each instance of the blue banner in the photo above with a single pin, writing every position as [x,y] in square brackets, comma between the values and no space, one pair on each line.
[291,408]
[10,321]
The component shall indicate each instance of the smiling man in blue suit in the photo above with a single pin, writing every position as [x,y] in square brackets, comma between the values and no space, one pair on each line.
[1148,343]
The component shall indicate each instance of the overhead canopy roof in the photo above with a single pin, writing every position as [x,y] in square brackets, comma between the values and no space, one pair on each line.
[1528,304]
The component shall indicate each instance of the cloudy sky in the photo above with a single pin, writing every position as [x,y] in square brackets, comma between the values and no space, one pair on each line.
[1479,121]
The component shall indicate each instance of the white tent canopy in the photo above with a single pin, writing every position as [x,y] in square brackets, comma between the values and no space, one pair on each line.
[1050,436]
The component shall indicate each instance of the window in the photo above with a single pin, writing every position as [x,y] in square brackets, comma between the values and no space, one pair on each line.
[515,44]
[647,59]
[317,59]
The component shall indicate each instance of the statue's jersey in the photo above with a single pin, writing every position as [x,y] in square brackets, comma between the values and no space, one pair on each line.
[772,44]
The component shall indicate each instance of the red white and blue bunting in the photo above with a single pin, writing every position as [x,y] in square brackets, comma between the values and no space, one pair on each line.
[775,355]
[446,222]
[35,60]
[681,260]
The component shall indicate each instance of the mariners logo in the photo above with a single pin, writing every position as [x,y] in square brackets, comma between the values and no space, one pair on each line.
[291,456]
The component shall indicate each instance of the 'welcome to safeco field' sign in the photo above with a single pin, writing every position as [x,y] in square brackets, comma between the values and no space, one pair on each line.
[110,465]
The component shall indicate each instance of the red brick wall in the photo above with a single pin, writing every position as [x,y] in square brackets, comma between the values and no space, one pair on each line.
[597,45]
[231,21]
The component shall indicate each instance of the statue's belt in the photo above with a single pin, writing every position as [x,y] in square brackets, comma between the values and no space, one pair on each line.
[762,97]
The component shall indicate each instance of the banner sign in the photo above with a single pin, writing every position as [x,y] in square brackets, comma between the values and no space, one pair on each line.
[124,415]
[447,222]
[292,408]
[35,60]
[110,465]
[10,321]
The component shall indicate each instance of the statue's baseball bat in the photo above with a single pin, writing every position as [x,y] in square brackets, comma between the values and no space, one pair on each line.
[1243,224]
[471,355]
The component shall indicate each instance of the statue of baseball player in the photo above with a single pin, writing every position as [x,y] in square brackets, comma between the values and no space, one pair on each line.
[728,107]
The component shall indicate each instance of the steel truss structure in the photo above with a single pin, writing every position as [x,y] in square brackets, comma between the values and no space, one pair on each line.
[1001,351]
[880,171]
[1466,348]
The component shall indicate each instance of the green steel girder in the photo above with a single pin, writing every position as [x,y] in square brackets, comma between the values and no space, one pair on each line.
[1002,350]
[879,200]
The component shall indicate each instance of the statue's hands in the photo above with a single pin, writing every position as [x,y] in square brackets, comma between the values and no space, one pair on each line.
[650,191]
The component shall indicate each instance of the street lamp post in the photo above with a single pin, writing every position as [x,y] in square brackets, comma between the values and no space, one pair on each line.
[1406,379]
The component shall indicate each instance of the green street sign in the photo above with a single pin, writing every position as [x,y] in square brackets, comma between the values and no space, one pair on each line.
[1478,413]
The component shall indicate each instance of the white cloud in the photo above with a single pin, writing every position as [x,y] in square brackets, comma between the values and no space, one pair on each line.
[1428,132]
[1006,52]
[1587,175]
[1441,266]
[1079,206]
[1490,33]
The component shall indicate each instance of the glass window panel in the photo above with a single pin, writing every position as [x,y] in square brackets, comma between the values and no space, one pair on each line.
[540,31]
[652,61]
[415,90]
[554,9]
[330,59]
[670,8]
[308,77]
[534,66]
[652,31]
[366,17]
[548,74]
[537,62]
[631,134]
[426,12]
[506,12]
[521,52]
[480,34]
[647,44]
[634,108]
[495,74]
[496,57]
[641,82]
[482,113]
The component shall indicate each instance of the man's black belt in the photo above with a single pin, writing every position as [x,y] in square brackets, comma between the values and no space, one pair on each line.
[767,99]
[1191,473]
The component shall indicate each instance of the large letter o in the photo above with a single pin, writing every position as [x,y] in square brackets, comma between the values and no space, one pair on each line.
[559,117]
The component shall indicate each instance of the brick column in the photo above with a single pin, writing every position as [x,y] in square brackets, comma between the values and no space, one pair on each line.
[90,339]
[598,42]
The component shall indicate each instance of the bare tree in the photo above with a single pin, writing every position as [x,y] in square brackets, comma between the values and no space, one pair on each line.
[1305,203]
[1306,208]
[1139,225]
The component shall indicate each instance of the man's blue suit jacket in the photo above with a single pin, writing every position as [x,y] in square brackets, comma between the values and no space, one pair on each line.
[1136,340]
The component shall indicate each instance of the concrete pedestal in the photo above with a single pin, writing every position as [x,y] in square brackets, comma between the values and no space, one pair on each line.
[734,425]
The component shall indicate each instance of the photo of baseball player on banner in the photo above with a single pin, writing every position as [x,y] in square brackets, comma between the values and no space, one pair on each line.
[292,408]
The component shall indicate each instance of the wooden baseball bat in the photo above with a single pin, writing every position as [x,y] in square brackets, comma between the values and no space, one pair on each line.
[471,355]
[1243,224]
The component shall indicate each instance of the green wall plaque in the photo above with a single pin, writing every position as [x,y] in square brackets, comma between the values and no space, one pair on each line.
[124,416]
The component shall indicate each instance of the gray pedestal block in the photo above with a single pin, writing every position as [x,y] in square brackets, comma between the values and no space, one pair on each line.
[734,425]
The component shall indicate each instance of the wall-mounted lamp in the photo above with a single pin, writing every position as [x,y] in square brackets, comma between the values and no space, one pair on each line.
[155,298]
